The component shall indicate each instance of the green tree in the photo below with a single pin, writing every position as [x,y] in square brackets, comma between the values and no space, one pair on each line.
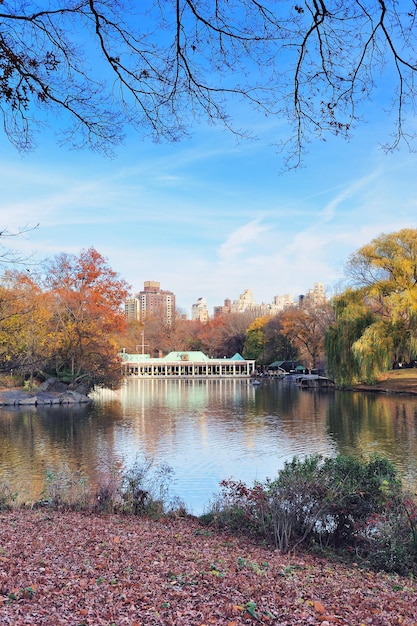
[100,65]
[352,319]
[255,340]
[376,319]
[278,347]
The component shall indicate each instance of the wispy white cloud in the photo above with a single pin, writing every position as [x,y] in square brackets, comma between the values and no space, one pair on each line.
[210,218]
[238,241]
[352,189]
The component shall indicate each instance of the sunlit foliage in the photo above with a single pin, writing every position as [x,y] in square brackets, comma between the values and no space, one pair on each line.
[376,318]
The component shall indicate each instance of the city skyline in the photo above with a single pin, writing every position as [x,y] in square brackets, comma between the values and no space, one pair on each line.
[152,297]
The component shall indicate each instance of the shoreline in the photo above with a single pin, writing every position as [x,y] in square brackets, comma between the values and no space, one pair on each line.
[399,382]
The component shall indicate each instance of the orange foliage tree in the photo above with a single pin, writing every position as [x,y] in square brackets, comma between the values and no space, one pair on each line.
[306,327]
[86,300]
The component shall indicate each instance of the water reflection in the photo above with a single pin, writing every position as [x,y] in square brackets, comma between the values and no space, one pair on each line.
[205,430]
[363,423]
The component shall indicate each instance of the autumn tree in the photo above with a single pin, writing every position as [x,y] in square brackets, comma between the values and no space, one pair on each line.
[381,303]
[86,299]
[212,337]
[305,327]
[161,335]
[23,324]
[102,65]
[131,338]
[234,327]
[278,347]
[255,340]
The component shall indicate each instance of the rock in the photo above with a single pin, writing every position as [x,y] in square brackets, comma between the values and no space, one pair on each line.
[52,384]
[42,398]
[28,400]
[82,389]
[73,397]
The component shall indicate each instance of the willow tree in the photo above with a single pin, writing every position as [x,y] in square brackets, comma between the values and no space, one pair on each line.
[376,319]
[95,67]
[352,319]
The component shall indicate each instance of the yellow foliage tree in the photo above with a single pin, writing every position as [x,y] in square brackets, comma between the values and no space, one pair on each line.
[384,294]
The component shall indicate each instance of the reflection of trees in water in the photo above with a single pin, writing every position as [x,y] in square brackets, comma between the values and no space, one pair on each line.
[363,423]
[204,421]
[51,439]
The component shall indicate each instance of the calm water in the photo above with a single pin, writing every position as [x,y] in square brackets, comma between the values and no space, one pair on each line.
[204,430]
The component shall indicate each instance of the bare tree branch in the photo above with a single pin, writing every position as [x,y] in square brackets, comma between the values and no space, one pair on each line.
[8,256]
[101,66]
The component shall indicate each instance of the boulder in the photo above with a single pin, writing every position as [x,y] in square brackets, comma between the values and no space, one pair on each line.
[42,398]
[53,384]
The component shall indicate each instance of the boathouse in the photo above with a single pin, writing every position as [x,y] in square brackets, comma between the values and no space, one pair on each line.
[184,364]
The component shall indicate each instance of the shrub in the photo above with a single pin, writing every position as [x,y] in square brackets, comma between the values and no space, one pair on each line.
[388,540]
[343,503]
[7,497]
[145,487]
[238,506]
[142,489]
[287,510]
[354,490]
[66,490]
[107,496]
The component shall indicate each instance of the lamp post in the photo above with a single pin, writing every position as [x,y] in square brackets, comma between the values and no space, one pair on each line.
[143,343]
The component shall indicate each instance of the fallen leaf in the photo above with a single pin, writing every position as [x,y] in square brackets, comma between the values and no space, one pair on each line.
[318,607]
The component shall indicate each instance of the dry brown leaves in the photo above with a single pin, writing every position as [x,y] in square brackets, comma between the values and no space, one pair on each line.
[85,570]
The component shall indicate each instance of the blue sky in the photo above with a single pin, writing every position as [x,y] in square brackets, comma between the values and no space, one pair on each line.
[210,216]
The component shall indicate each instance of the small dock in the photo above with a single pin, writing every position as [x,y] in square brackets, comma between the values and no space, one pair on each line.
[314,381]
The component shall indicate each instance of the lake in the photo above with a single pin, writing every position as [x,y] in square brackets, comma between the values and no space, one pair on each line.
[206,431]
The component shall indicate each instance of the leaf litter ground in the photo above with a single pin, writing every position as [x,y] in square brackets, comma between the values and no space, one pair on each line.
[91,570]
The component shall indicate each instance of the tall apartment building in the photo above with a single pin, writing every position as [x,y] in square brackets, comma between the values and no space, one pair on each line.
[245,302]
[223,309]
[283,302]
[132,309]
[199,310]
[151,302]
[315,296]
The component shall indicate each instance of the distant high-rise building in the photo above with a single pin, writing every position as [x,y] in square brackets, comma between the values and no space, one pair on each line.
[247,304]
[316,295]
[283,302]
[132,309]
[151,302]
[199,310]
[222,310]
[244,303]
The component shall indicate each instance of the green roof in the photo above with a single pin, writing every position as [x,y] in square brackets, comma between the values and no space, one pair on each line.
[193,356]
[183,356]
[135,358]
